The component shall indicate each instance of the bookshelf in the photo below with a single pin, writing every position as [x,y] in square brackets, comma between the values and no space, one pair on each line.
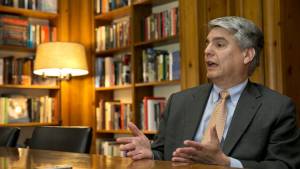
[31,89]
[137,88]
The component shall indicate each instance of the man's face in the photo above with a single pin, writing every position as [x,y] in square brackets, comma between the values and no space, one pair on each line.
[224,59]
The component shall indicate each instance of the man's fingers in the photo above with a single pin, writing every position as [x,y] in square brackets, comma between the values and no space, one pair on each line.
[139,156]
[180,159]
[124,140]
[127,147]
[186,152]
[135,131]
[194,144]
[183,153]
[132,153]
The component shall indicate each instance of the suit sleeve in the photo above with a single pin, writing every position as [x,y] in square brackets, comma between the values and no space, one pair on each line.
[283,144]
[159,141]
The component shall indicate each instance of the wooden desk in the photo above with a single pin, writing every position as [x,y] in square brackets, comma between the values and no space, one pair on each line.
[19,158]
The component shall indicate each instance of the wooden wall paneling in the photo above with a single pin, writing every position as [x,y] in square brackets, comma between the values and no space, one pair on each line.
[63,35]
[235,7]
[189,43]
[63,20]
[216,9]
[79,91]
[252,9]
[86,39]
[75,112]
[202,19]
[272,49]
[291,56]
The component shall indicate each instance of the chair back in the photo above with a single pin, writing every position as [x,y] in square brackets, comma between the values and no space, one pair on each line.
[70,139]
[9,136]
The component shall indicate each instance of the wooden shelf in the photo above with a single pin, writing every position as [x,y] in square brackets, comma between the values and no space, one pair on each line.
[12,86]
[112,51]
[122,132]
[157,42]
[152,2]
[116,13]
[160,83]
[16,48]
[114,87]
[28,12]
[113,132]
[30,124]
[149,132]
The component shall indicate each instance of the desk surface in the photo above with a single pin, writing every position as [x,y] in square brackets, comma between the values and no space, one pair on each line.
[19,158]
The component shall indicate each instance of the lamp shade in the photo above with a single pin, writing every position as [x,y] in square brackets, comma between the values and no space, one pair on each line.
[60,59]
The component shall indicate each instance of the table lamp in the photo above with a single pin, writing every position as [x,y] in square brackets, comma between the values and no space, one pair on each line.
[60,59]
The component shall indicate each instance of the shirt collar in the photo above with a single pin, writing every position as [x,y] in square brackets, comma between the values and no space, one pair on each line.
[234,92]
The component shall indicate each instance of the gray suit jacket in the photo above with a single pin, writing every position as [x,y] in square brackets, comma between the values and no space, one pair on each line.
[262,133]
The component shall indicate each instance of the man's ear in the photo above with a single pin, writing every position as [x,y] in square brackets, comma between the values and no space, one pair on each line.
[248,55]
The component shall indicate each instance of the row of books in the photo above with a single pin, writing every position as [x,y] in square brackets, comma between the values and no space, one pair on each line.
[151,112]
[42,5]
[21,109]
[113,115]
[115,35]
[112,71]
[25,32]
[19,70]
[109,148]
[159,65]
[160,25]
[103,6]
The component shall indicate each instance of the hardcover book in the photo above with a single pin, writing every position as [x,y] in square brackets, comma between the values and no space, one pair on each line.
[17,109]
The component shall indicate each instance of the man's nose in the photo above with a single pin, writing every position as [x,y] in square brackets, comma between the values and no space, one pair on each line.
[208,50]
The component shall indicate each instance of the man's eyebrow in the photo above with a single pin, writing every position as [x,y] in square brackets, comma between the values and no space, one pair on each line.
[216,39]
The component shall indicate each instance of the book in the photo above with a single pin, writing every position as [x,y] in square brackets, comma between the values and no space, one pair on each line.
[100,115]
[126,114]
[175,62]
[8,70]
[1,70]
[47,5]
[109,72]
[112,115]
[17,109]
[152,113]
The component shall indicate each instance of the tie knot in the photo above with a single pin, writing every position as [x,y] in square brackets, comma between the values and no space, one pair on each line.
[224,94]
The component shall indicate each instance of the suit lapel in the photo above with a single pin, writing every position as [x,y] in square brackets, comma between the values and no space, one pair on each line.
[243,115]
[194,111]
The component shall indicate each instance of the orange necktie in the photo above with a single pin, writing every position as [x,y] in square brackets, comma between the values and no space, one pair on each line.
[218,118]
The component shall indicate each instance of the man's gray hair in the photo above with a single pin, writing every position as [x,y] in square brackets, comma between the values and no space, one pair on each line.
[247,34]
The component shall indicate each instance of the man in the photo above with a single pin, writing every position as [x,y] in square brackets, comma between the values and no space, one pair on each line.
[259,129]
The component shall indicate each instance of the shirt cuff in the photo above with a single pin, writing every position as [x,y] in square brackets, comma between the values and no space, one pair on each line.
[235,163]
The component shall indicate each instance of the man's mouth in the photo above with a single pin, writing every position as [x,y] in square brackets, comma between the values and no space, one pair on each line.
[211,64]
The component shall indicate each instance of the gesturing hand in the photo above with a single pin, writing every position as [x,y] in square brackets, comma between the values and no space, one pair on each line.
[137,147]
[208,153]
